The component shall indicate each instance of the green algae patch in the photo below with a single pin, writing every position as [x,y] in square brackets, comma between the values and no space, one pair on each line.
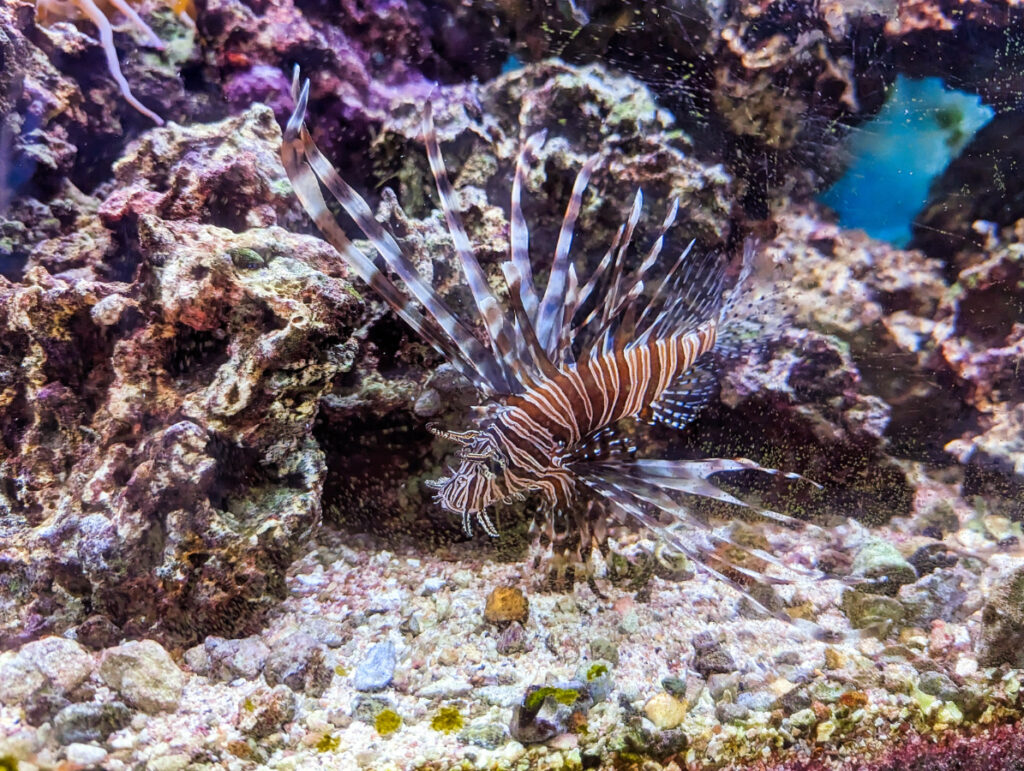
[8,763]
[596,671]
[328,743]
[447,720]
[387,722]
[566,696]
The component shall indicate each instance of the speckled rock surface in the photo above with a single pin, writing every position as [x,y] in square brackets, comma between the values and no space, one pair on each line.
[143,673]
[159,376]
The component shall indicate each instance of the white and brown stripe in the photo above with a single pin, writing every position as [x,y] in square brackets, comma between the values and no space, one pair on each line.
[545,424]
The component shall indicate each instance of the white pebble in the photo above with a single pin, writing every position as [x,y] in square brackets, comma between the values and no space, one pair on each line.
[966,666]
[85,754]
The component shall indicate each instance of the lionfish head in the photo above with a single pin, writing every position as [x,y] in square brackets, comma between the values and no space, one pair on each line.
[476,484]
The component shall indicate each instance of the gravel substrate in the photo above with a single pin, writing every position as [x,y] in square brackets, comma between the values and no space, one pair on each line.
[384,658]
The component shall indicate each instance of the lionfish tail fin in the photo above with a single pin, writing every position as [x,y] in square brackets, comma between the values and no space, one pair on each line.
[754,311]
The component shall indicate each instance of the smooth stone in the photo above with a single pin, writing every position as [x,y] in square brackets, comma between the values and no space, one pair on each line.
[939,595]
[665,710]
[603,648]
[64,663]
[431,585]
[375,671]
[85,754]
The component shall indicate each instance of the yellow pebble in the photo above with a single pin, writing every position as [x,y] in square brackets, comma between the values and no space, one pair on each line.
[506,604]
[665,710]
[834,659]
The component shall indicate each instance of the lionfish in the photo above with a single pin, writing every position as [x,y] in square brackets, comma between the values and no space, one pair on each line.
[553,379]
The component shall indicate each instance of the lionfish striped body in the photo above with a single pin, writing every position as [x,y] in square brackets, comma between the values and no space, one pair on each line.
[534,437]
[553,389]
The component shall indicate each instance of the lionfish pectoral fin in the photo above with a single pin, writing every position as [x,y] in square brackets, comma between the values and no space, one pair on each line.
[607,443]
[647,491]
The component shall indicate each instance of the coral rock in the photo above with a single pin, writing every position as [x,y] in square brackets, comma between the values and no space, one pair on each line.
[159,386]
[144,674]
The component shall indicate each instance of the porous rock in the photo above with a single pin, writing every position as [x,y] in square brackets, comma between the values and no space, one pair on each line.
[228,659]
[299,662]
[939,595]
[1003,625]
[266,710]
[144,674]
[506,604]
[54,664]
[160,376]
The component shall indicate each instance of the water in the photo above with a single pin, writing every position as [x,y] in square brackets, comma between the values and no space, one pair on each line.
[393,501]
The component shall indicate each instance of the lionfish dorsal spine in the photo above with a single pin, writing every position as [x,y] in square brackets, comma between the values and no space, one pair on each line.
[307,168]
[588,288]
[552,305]
[295,155]
[495,322]
[524,324]
[519,232]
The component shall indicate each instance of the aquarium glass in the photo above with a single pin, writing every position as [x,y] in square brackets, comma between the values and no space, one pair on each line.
[497,384]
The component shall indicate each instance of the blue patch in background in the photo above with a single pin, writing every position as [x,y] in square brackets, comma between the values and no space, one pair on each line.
[897,154]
